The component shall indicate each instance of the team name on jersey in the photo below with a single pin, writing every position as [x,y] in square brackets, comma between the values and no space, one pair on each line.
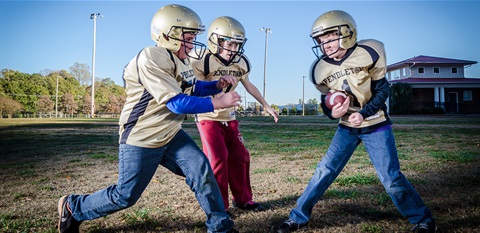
[234,73]
[342,73]
[187,74]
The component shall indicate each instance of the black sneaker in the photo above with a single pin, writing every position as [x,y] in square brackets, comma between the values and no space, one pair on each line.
[251,205]
[425,227]
[291,226]
[66,223]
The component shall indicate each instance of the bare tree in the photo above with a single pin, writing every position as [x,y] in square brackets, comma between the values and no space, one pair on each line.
[45,104]
[81,72]
[46,72]
[9,107]
[68,104]
[86,105]
[112,105]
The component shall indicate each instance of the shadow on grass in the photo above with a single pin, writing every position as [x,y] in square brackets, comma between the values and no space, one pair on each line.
[155,225]
[441,201]
[451,189]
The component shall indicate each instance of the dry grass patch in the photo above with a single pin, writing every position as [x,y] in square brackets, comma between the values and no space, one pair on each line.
[41,160]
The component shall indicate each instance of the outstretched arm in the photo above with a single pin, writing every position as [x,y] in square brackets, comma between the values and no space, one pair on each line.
[185,104]
[253,90]
[207,88]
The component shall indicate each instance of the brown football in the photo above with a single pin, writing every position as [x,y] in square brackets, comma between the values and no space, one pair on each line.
[335,97]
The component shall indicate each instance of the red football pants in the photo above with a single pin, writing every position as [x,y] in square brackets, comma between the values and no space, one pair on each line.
[222,142]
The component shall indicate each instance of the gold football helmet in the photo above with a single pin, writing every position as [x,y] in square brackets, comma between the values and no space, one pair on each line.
[170,22]
[336,20]
[226,28]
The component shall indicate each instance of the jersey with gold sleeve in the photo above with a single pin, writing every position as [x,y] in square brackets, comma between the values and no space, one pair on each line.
[362,65]
[151,78]
[211,67]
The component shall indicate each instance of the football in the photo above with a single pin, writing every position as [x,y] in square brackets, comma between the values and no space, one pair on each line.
[334,97]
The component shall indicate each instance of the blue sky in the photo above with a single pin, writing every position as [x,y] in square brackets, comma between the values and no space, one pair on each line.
[38,35]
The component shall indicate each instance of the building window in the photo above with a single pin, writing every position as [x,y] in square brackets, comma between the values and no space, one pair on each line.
[454,70]
[393,75]
[421,70]
[467,96]
[436,70]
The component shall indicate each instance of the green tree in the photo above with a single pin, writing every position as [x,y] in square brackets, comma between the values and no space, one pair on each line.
[401,98]
[102,94]
[22,88]
[294,110]
[311,107]
[275,107]
[66,84]
[32,92]
[312,101]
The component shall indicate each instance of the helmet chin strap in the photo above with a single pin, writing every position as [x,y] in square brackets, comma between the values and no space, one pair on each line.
[236,54]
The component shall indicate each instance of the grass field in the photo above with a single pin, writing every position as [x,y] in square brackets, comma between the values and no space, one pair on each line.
[43,159]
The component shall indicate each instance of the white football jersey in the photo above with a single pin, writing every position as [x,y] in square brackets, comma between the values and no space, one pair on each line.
[151,78]
[353,74]
[211,68]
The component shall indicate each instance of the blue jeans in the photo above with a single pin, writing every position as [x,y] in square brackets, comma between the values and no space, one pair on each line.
[383,153]
[136,167]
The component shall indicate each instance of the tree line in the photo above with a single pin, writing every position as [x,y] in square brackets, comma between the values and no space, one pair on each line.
[58,93]
[61,93]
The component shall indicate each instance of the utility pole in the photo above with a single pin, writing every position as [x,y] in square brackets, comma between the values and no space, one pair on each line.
[303,97]
[94,16]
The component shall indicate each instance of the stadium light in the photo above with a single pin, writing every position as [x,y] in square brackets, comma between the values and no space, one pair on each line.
[94,16]
[267,30]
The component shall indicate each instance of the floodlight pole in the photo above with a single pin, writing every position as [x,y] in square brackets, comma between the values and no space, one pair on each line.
[94,16]
[267,30]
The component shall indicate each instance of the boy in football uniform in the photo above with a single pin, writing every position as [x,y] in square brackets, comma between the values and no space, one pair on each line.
[158,83]
[222,141]
[357,68]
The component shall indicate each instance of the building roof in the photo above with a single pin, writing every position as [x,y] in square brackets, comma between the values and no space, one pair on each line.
[438,80]
[429,60]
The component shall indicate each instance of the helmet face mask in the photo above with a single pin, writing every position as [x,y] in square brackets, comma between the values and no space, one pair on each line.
[225,30]
[220,42]
[169,26]
[198,48]
[334,21]
[319,48]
